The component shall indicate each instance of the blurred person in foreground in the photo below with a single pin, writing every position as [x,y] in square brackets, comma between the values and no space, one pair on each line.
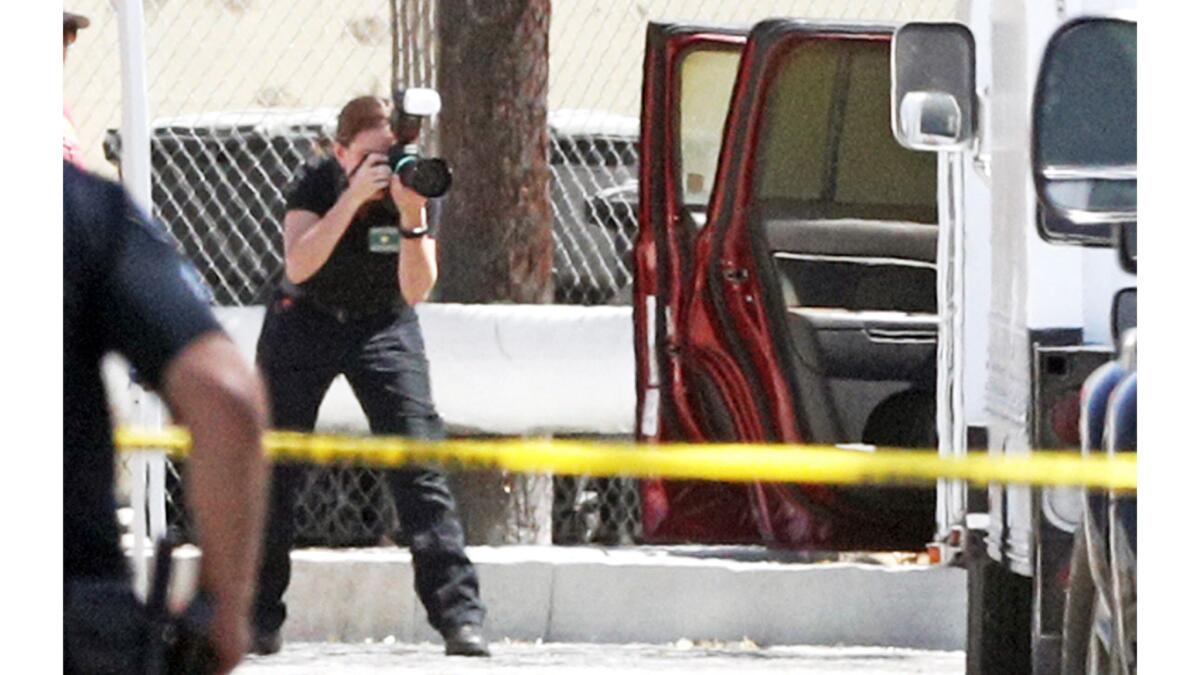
[358,256]
[72,152]
[126,290]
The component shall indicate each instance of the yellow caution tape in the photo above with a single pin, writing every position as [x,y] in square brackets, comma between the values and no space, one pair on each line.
[719,462]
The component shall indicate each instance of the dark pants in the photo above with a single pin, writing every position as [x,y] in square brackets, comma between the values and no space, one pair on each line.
[301,350]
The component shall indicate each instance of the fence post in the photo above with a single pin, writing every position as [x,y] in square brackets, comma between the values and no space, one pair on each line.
[135,174]
[152,415]
[135,107]
[137,501]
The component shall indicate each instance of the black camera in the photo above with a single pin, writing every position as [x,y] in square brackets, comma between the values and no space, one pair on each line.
[428,176]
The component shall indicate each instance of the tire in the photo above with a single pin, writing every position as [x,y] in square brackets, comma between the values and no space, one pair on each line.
[1079,610]
[999,615]
[1124,593]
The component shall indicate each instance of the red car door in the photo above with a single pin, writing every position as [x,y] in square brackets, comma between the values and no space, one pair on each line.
[689,72]
[729,364]
[687,82]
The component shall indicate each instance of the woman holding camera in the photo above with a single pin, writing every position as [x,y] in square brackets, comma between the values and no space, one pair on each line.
[358,257]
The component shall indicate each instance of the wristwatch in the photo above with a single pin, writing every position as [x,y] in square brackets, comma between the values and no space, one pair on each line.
[414,234]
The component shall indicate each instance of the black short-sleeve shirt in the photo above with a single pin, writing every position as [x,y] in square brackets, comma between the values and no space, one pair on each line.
[125,289]
[360,275]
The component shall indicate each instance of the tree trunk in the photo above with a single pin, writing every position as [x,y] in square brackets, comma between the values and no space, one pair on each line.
[495,242]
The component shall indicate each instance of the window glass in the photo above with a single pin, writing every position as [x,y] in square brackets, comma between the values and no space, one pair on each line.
[706,85]
[793,150]
[1089,97]
[826,146]
[872,168]
[1086,152]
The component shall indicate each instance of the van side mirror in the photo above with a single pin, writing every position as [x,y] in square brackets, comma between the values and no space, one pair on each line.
[930,119]
[1084,144]
[1124,313]
[933,86]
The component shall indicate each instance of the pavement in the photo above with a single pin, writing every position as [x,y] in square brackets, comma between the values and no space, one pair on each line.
[567,658]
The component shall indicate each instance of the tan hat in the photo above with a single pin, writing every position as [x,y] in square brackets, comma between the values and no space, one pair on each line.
[75,21]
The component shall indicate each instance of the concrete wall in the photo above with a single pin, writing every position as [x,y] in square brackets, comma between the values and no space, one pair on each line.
[646,595]
[495,369]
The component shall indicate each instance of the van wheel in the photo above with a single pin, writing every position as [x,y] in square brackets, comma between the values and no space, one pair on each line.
[999,615]
[1079,610]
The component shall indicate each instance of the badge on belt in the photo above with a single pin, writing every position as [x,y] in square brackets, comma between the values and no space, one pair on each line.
[384,239]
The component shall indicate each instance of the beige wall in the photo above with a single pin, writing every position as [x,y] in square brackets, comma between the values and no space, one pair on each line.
[208,55]
[596,45]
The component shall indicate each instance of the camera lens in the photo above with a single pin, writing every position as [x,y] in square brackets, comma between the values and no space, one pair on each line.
[429,177]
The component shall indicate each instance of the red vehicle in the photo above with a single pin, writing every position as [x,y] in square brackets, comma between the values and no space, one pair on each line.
[785,284]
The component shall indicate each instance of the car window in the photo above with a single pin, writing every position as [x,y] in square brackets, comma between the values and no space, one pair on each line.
[793,152]
[826,144]
[706,85]
[872,167]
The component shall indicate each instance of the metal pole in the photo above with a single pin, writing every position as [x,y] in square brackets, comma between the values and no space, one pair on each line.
[135,107]
[945,343]
[951,373]
[137,500]
[135,174]
[156,464]
[958,400]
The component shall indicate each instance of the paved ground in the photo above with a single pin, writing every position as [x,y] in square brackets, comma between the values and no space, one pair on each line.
[528,658]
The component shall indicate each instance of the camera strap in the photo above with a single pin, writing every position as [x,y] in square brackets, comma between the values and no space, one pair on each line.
[358,166]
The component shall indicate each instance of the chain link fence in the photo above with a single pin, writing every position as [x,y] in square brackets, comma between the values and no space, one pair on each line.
[337,506]
[243,92]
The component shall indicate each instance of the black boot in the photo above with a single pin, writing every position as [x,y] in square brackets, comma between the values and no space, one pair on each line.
[267,642]
[465,640]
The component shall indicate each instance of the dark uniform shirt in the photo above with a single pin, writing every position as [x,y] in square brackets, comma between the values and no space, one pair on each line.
[360,275]
[124,289]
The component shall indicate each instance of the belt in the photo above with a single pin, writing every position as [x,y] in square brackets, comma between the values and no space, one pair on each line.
[339,314]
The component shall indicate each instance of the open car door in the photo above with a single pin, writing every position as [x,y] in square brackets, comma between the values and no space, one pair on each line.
[689,73]
[804,310]
[688,79]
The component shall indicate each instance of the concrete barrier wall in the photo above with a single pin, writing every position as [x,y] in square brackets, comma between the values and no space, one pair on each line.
[495,369]
[646,595]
